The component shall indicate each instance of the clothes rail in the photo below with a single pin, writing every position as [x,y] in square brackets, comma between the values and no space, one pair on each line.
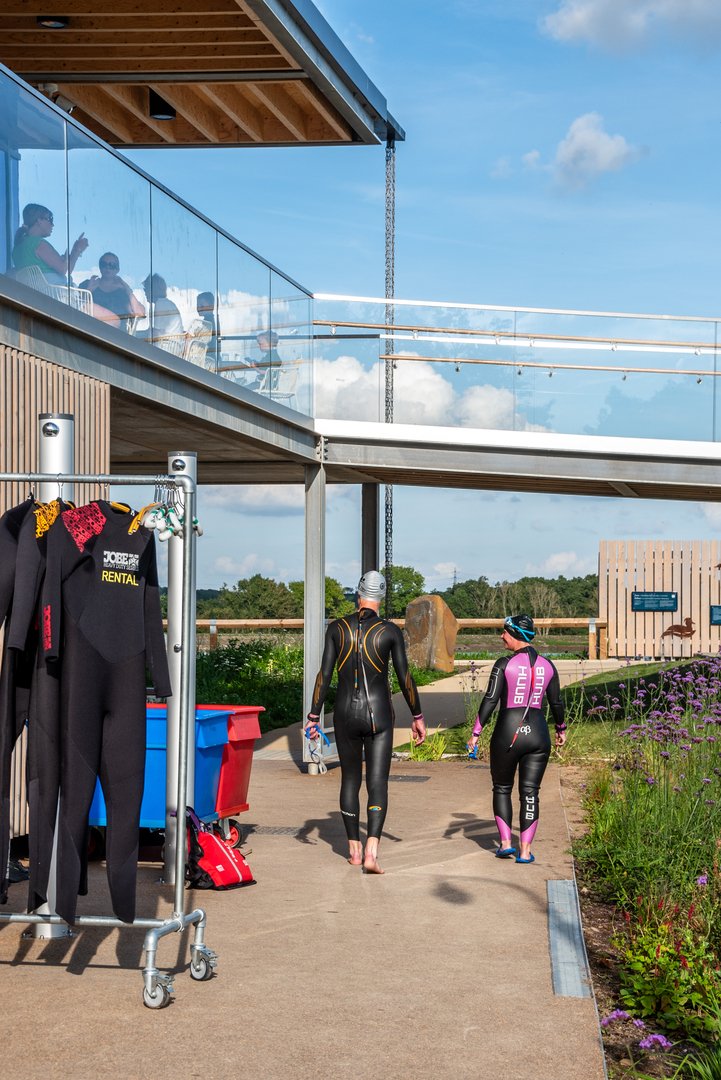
[157,986]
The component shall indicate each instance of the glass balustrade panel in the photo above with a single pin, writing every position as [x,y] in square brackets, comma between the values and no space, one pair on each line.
[243,315]
[35,222]
[290,345]
[109,205]
[180,283]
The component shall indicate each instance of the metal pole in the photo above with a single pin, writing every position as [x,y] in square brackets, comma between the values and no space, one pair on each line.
[390,208]
[186,729]
[185,464]
[56,454]
[370,513]
[314,590]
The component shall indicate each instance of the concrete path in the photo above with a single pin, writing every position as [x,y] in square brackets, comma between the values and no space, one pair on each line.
[439,970]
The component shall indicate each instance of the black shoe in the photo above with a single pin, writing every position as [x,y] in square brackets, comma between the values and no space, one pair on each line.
[17,872]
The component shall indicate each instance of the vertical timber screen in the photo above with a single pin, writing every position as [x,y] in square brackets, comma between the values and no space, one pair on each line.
[691,568]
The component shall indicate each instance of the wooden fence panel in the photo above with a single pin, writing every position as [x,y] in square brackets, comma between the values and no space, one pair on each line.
[691,568]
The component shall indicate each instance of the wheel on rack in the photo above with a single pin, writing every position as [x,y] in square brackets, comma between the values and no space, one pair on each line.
[235,837]
[201,968]
[158,999]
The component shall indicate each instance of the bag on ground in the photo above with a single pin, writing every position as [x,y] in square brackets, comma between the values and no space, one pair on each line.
[212,863]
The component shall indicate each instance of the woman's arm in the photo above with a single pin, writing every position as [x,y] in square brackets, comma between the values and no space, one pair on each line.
[63,264]
[324,676]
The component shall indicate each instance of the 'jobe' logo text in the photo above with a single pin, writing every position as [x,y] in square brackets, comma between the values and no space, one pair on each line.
[121,560]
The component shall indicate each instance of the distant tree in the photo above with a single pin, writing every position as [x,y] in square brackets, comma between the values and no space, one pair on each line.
[406,585]
[336,602]
[256,597]
[471,599]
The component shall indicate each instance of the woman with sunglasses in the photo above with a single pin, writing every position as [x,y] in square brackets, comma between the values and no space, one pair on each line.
[520,740]
[32,248]
[113,293]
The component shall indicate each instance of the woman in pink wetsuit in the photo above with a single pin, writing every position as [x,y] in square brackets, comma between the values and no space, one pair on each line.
[521,740]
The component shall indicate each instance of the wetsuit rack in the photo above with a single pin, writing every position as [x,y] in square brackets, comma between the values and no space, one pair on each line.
[157,986]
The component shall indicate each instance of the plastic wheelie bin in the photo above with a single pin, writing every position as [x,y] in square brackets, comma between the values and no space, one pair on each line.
[211,739]
[236,764]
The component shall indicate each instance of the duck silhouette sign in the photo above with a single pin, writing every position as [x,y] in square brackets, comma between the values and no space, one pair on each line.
[654,601]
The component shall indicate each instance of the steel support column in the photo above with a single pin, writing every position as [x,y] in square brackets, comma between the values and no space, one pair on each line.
[390,283]
[314,591]
[370,515]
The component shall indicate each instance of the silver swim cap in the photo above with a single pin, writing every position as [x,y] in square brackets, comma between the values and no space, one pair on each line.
[372,586]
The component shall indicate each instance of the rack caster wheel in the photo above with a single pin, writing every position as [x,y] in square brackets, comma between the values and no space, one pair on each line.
[202,965]
[235,836]
[158,999]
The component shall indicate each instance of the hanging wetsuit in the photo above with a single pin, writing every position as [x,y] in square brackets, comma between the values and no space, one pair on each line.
[43,750]
[520,739]
[15,676]
[101,616]
[361,645]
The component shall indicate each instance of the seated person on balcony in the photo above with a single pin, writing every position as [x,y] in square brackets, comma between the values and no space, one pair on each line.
[166,320]
[113,293]
[31,247]
[205,306]
[268,365]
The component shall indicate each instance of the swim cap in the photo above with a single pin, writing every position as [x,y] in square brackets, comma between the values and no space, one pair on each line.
[520,627]
[372,586]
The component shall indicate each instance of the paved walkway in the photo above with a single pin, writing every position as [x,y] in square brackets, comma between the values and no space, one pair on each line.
[440,970]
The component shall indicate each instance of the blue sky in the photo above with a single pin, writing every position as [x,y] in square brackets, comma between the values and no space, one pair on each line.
[558,154]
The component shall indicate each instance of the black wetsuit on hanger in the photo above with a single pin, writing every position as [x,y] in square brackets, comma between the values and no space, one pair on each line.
[15,676]
[101,616]
[43,749]
[361,646]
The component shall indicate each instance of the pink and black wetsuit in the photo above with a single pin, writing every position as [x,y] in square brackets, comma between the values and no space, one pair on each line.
[520,738]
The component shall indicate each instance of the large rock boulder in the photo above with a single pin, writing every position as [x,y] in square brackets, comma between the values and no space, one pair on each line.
[430,633]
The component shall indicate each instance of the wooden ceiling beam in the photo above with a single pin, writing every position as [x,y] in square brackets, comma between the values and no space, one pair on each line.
[99,107]
[195,110]
[283,107]
[160,37]
[135,100]
[319,104]
[108,22]
[94,8]
[53,68]
[180,52]
[229,100]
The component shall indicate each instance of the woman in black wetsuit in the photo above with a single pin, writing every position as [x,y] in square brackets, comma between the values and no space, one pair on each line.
[520,738]
[361,645]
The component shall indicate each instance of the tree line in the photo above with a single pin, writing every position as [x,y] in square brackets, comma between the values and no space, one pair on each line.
[260,597]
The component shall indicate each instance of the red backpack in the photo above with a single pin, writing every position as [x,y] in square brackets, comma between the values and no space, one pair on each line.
[212,863]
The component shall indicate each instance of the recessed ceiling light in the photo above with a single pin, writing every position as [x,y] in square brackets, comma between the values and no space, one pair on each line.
[52,22]
[158,107]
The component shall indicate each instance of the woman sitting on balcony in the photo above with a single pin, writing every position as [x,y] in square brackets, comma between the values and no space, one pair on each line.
[113,293]
[32,248]
[166,330]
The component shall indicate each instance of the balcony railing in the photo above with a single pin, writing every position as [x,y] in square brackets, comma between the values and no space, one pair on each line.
[522,369]
[141,259]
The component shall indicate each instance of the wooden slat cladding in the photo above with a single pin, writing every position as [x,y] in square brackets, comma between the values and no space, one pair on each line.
[692,568]
[28,387]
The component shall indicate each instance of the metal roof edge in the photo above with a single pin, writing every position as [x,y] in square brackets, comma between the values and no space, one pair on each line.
[324,53]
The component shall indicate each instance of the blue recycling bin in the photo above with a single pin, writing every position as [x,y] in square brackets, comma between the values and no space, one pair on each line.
[211,738]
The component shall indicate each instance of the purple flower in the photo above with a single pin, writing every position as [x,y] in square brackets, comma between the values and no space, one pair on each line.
[705,781]
[702,880]
[650,780]
[639,1024]
[617,1014]
[655,1040]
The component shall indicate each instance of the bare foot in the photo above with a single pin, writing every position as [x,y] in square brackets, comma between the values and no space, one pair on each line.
[371,865]
[355,853]
[354,860]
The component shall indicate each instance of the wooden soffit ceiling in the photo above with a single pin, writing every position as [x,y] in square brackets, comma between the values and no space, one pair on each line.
[229,79]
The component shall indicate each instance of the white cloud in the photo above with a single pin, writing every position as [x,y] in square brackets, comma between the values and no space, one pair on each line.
[712,513]
[587,151]
[345,390]
[568,563]
[532,160]
[620,24]
[235,569]
[501,169]
[267,499]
